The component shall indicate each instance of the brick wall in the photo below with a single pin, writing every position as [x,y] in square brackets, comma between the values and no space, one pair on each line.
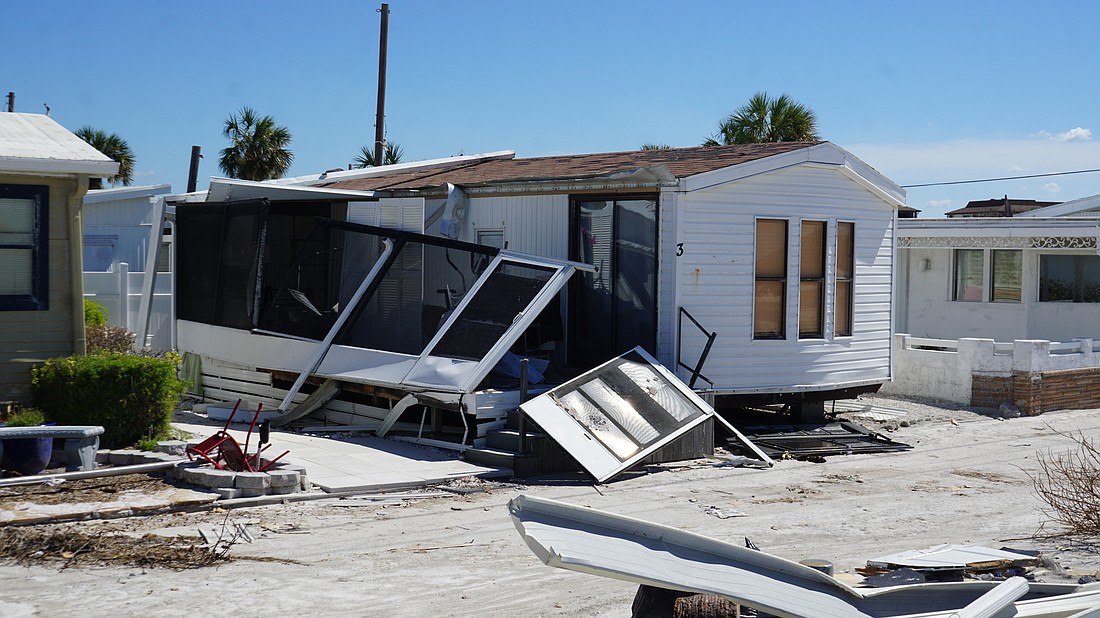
[988,391]
[1035,393]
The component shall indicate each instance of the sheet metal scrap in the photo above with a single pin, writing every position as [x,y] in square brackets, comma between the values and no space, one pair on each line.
[955,560]
[843,438]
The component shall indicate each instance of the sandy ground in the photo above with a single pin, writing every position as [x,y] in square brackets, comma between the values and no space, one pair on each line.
[965,482]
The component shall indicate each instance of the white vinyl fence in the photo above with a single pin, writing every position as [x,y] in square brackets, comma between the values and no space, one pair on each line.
[120,292]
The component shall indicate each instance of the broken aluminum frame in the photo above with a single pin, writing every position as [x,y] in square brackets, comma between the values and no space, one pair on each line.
[596,542]
[444,373]
[596,457]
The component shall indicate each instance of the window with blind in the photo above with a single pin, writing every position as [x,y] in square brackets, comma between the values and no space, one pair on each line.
[1006,275]
[24,283]
[845,275]
[811,281]
[770,296]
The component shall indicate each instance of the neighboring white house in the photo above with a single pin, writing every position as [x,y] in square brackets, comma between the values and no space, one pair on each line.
[783,252]
[44,171]
[1001,309]
[118,229]
[1004,278]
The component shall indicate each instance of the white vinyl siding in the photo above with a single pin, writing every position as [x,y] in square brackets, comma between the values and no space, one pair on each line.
[716,281]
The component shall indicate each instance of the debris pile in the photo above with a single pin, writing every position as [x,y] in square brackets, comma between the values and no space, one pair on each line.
[27,545]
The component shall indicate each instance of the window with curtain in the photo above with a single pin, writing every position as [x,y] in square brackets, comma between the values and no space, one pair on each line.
[845,274]
[1005,275]
[24,281]
[969,267]
[770,296]
[811,281]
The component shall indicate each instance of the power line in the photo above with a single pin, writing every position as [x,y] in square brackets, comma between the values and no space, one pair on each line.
[967,182]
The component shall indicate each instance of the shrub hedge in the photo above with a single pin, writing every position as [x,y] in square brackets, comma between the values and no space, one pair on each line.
[130,396]
[95,314]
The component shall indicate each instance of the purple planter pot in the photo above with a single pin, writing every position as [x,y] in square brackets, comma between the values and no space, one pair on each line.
[26,456]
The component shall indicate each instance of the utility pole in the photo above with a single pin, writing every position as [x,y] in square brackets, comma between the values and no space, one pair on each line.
[380,117]
[193,174]
[11,101]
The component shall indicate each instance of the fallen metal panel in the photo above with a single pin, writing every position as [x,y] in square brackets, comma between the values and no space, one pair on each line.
[613,416]
[600,543]
[830,439]
[949,557]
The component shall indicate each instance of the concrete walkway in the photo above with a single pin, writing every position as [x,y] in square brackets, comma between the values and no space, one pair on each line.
[355,462]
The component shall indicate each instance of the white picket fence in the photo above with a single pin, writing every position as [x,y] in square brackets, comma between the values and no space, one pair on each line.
[120,293]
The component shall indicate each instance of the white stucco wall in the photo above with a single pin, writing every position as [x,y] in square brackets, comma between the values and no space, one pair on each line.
[928,311]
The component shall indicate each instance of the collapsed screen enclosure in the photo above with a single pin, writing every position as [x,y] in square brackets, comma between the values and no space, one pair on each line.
[291,269]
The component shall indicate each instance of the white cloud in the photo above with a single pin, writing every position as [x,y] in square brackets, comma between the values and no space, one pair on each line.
[1074,134]
[938,204]
[1052,187]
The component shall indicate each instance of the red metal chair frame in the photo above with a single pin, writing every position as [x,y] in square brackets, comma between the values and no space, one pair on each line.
[222,450]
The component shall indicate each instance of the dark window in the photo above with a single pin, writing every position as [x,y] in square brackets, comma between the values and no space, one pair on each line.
[1069,278]
[845,275]
[770,298]
[24,241]
[811,280]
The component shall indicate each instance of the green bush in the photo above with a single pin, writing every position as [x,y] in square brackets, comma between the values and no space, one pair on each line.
[95,314]
[26,417]
[132,397]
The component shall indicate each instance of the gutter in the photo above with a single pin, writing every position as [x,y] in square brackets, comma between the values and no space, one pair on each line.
[76,262]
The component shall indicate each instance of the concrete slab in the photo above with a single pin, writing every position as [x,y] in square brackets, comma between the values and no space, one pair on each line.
[359,463]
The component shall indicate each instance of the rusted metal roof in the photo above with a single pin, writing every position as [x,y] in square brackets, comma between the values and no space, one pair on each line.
[681,162]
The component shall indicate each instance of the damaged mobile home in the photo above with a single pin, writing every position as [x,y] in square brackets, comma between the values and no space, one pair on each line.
[756,274]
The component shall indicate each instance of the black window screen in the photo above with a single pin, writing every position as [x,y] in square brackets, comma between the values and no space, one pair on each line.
[507,292]
[413,297]
[219,269]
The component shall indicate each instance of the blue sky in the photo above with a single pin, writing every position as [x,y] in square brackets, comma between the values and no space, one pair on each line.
[924,92]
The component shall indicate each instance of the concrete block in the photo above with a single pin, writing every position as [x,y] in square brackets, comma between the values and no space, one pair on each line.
[123,457]
[180,471]
[227,493]
[303,478]
[282,490]
[103,456]
[283,478]
[172,447]
[253,480]
[214,478]
[252,492]
[192,475]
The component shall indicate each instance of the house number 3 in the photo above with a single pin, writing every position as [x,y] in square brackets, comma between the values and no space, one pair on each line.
[679,249]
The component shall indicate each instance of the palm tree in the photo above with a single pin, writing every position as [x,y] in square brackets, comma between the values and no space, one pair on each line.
[257,147]
[764,119]
[391,154]
[115,148]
